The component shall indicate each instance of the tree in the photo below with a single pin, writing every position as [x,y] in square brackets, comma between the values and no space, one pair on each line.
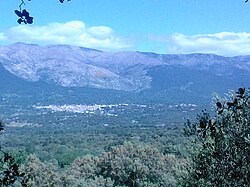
[133,165]
[24,15]
[222,144]
[9,168]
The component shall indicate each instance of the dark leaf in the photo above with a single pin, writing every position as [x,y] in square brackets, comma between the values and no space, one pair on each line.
[204,134]
[241,91]
[210,123]
[235,101]
[218,104]
[202,124]
[7,172]
[212,128]
[220,112]
[22,174]
[18,13]
[15,167]
[25,13]
[20,20]
[29,20]
[229,104]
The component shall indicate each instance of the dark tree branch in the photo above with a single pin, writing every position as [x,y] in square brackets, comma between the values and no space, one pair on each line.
[23,14]
[22,3]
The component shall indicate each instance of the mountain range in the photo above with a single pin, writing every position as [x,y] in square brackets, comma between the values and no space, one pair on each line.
[25,65]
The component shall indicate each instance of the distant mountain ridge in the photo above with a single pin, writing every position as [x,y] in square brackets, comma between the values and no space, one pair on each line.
[71,66]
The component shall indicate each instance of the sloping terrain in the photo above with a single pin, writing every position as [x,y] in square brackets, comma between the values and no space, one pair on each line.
[183,76]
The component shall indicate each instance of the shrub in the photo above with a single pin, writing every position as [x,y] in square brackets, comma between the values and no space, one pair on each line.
[222,144]
[41,174]
[130,164]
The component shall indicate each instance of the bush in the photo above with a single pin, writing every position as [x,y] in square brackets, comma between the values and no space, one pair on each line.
[222,144]
[41,174]
[10,173]
[132,165]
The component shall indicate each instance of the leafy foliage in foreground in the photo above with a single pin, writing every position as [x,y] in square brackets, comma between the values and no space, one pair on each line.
[222,144]
[9,168]
[127,165]
[10,172]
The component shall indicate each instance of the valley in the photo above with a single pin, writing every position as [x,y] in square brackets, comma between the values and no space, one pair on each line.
[61,102]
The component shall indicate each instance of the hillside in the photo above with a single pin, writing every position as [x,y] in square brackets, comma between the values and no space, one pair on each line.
[181,76]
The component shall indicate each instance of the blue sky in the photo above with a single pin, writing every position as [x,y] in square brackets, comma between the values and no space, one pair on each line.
[161,26]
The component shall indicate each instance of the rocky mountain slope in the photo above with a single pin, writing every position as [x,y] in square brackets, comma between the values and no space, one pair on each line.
[71,66]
